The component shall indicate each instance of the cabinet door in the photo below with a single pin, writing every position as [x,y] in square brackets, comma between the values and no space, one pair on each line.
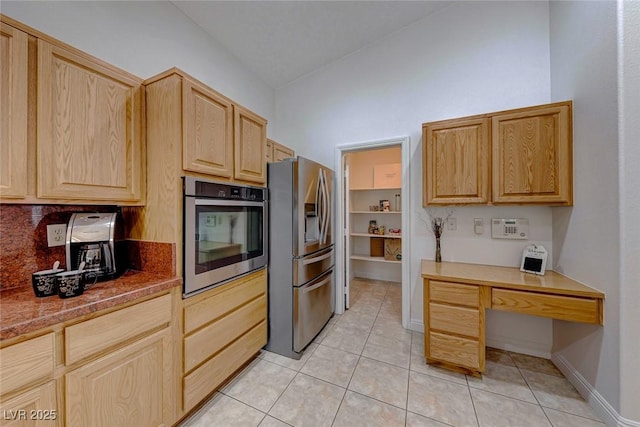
[36,407]
[250,143]
[208,131]
[128,387]
[269,152]
[13,104]
[456,162]
[532,155]
[280,152]
[89,129]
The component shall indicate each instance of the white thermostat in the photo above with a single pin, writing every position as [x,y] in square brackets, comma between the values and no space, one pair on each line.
[534,260]
[502,228]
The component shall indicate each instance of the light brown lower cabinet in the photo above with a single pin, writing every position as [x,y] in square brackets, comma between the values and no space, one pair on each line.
[124,388]
[223,329]
[119,367]
[456,296]
[454,322]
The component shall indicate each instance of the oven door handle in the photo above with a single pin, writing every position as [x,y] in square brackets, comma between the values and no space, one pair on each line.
[318,258]
[214,202]
[316,286]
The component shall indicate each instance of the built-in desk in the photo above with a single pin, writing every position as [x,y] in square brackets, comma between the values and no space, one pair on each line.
[456,296]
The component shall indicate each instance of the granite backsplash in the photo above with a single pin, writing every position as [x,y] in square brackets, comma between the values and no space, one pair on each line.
[24,249]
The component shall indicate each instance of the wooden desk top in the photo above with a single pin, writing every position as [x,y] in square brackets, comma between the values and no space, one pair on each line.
[506,277]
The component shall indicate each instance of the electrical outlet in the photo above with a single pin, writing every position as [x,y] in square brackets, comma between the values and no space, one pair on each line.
[56,234]
[452,224]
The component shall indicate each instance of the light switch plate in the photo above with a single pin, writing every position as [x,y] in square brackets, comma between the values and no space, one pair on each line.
[56,234]
[478,226]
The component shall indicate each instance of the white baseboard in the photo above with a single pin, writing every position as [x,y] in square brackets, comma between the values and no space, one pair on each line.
[598,403]
[388,275]
[416,326]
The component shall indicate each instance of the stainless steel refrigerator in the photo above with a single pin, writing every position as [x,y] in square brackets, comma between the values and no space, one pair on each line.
[301,253]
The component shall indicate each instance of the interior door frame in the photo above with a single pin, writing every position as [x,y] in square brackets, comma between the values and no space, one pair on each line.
[340,150]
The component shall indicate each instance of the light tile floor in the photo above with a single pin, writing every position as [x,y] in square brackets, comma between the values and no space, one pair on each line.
[365,369]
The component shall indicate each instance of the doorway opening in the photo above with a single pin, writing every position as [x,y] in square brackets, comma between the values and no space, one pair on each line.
[373,221]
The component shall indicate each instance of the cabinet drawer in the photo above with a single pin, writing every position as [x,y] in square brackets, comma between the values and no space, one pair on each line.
[204,380]
[223,299]
[457,320]
[546,305]
[454,293]
[25,362]
[455,350]
[92,336]
[209,340]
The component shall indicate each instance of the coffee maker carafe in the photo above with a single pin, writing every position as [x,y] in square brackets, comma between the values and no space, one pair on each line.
[93,238]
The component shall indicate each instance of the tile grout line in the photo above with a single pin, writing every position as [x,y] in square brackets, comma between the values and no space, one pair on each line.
[277,398]
[288,385]
[359,358]
[548,407]
[473,404]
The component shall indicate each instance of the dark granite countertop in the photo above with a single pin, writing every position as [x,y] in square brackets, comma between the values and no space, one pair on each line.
[22,312]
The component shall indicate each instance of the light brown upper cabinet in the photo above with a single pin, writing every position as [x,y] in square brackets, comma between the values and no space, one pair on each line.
[89,128]
[249,145]
[277,152]
[208,130]
[522,156]
[13,104]
[533,155]
[72,125]
[456,161]
[213,136]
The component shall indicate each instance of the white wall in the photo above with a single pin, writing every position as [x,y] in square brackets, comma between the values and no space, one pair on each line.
[146,38]
[629,156]
[467,59]
[586,237]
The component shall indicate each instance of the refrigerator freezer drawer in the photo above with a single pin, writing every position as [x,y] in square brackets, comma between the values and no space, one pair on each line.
[311,266]
[312,309]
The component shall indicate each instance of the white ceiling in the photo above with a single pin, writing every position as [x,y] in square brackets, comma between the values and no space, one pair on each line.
[284,40]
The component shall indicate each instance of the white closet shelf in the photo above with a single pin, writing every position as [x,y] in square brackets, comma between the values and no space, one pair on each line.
[384,236]
[375,189]
[376,212]
[373,258]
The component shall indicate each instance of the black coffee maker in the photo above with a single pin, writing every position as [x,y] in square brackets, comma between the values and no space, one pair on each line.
[95,239]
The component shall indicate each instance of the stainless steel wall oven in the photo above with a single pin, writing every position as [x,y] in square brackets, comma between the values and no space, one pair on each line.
[225,232]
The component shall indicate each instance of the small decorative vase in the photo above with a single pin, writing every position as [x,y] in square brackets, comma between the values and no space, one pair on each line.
[438,255]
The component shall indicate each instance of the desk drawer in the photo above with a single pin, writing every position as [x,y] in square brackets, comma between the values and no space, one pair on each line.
[546,305]
[456,320]
[455,350]
[454,293]
[25,362]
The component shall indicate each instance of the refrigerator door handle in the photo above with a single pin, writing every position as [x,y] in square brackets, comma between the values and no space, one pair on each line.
[318,258]
[316,286]
[327,205]
[319,206]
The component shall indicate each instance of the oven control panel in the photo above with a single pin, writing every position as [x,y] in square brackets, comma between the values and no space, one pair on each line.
[209,189]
